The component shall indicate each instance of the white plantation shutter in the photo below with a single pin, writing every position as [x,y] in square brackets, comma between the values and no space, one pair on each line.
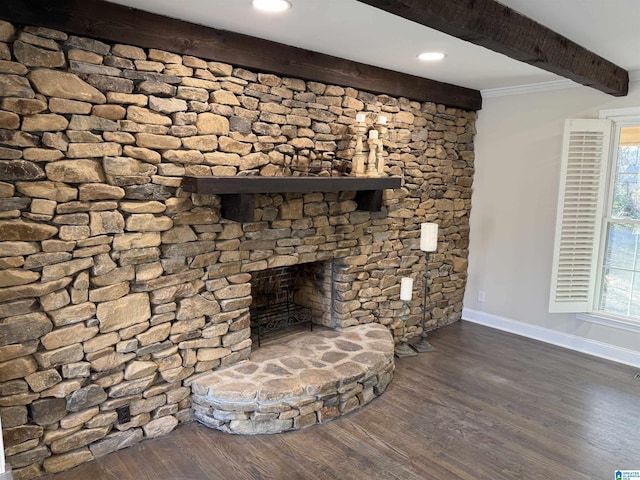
[585,156]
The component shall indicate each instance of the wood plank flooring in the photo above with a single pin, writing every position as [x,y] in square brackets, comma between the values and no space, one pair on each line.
[486,405]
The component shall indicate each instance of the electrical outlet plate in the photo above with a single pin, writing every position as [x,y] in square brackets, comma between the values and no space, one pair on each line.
[481,295]
[124,414]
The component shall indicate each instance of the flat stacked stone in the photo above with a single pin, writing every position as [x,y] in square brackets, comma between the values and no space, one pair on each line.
[310,378]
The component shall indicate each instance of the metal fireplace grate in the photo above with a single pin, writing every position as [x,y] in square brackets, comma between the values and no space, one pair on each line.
[279,315]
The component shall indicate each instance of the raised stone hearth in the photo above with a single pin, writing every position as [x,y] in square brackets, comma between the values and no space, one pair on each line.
[310,378]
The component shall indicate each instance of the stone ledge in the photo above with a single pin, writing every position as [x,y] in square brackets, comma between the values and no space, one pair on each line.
[310,378]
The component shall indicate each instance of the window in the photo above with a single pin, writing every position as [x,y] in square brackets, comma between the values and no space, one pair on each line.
[596,265]
[619,285]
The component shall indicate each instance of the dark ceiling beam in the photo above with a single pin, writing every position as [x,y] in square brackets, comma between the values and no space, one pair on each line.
[492,25]
[120,24]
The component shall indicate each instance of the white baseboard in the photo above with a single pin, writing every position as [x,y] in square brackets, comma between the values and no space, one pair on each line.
[566,340]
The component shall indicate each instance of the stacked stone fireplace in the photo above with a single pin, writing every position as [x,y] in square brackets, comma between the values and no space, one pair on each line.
[118,289]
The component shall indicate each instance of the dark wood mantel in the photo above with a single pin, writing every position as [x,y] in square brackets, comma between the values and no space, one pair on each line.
[238,193]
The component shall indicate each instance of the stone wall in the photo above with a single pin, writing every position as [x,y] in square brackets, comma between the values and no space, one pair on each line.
[119,288]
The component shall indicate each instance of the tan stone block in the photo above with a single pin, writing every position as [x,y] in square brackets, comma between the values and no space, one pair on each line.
[78,419]
[65,269]
[124,312]
[160,426]
[9,120]
[7,31]
[111,112]
[108,293]
[54,83]
[116,441]
[62,337]
[144,115]
[13,416]
[10,352]
[40,381]
[178,70]
[156,334]
[11,277]
[42,154]
[146,222]
[124,138]
[106,222]
[220,69]
[148,271]
[128,51]
[38,40]
[127,98]
[167,105]
[108,361]
[209,354]
[62,389]
[32,290]
[6,190]
[63,105]
[100,191]
[183,156]
[224,97]
[100,342]
[164,57]
[17,368]
[141,153]
[72,314]
[15,86]
[132,387]
[160,142]
[212,124]
[20,434]
[76,370]
[230,145]
[55,191]
[24,106]
[139,369]
[70,232]
[61,356]
[79,439]
[61,463]
[142,206]
[102,419]
[44,123]
[75,171]
[84,56]
[23,328]
[86,150]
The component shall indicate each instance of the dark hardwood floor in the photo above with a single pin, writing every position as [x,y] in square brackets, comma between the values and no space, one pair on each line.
[486,405]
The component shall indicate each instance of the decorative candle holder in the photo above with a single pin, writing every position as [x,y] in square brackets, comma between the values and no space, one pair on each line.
[406,292]
[381,128]
[359,157]
[428,244]
[375,145]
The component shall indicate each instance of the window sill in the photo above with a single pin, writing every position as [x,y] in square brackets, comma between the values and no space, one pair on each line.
[609,321]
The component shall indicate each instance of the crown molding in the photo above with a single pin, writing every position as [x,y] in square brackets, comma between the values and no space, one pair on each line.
[634,76]
[529,88]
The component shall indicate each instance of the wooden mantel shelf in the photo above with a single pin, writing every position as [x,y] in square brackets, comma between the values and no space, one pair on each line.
[238,193]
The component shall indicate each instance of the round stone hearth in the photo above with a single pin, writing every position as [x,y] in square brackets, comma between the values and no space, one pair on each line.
[308,378]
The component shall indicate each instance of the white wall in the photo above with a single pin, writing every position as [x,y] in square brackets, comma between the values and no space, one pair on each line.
[518,148]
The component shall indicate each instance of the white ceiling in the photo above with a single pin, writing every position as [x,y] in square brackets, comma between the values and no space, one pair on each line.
[355,31]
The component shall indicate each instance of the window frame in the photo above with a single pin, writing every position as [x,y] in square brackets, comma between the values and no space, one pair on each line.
[620,118]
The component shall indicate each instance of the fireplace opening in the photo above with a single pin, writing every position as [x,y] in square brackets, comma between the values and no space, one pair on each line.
[291,297]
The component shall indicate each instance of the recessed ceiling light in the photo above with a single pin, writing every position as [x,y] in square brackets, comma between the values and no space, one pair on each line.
[431,56]
[271,5]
